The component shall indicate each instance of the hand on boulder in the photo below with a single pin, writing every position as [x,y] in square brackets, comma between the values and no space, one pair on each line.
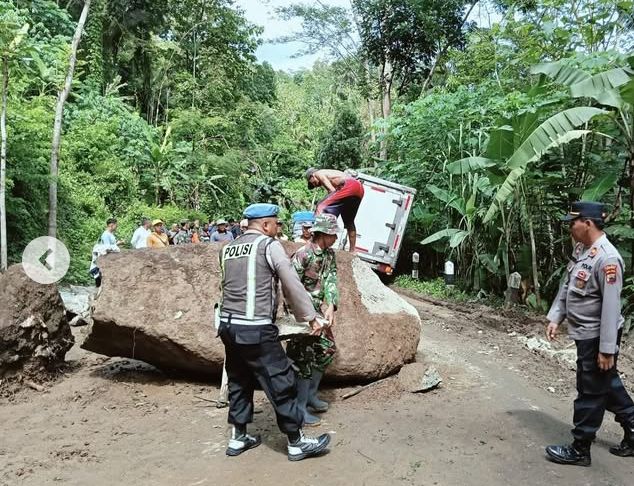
[330,314]
[315,326]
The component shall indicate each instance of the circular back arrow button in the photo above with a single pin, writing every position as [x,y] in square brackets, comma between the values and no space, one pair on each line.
[46,260]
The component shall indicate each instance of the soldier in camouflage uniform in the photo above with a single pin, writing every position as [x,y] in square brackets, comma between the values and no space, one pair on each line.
[317,268]
[183,236]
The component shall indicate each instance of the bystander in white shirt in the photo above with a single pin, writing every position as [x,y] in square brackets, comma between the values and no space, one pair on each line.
[139,238]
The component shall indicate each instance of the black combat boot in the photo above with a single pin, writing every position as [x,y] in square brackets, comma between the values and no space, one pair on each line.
[315,404]
[576,454]
[626,448]
[303,389]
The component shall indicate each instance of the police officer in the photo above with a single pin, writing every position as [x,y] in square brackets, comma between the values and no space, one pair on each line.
[251,266]
[590,298]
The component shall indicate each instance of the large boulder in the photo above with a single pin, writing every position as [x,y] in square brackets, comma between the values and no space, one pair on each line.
[157,306]
[34,332]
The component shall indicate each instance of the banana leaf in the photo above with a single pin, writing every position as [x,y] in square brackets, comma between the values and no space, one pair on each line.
[469,164]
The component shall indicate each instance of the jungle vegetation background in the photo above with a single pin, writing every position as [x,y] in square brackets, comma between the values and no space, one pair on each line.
[498,126]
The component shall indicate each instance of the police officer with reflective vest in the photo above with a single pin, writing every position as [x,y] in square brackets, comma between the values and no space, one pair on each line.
[590,298]
[251,267]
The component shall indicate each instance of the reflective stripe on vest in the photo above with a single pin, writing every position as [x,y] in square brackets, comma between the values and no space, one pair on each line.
[251,276]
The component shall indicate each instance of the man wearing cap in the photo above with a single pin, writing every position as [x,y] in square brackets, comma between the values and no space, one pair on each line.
[316,266]
[158,238]
[590,299]
[221,233]
[306,235]
[344,197]
[251,267]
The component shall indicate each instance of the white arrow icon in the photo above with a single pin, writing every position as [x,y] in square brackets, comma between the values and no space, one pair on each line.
[46,260]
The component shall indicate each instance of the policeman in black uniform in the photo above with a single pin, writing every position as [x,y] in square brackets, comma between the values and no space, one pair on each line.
[251,266]
[590,298]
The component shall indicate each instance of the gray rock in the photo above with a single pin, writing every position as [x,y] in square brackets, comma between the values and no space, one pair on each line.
[77,300]
[418,377]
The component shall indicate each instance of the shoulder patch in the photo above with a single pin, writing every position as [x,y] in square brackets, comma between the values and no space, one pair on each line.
[610,271]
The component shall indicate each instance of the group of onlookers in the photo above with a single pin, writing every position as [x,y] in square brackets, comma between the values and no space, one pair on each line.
[154,234]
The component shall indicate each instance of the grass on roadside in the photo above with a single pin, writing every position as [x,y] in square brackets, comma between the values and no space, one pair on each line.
[438,289]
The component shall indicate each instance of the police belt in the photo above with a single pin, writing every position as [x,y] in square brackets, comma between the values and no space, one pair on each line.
[241,320]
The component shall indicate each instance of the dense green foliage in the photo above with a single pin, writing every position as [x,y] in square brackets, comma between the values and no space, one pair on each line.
[170,116]
[499,119]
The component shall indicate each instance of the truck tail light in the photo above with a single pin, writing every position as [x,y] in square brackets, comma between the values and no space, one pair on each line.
[384,268]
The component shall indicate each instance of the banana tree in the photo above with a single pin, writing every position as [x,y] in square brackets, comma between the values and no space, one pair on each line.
[510,151]
[466,239]
[556,131]
[614,90]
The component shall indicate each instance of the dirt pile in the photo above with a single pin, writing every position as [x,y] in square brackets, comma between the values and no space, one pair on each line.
[157,306]
[34,332]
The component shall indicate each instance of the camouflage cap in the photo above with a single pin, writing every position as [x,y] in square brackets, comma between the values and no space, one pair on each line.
[325,223]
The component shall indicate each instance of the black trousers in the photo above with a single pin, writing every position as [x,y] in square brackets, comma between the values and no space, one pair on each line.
[598,391]
[254,355]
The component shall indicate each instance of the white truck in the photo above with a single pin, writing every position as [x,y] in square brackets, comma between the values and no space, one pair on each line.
[381,222]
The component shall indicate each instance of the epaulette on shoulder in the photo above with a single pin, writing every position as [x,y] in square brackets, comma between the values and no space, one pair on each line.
[609,250]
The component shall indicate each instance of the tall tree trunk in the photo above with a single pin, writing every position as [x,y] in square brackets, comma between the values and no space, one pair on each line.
[57,127]
[442,51]
[371,119]
[3,165]
[386,103]
[631,164]
[531,233]
[368,76]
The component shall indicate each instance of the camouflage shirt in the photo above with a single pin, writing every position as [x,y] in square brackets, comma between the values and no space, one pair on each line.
[182,237]
[317,270]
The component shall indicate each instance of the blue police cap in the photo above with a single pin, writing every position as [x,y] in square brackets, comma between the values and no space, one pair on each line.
[585,209]
[261,210]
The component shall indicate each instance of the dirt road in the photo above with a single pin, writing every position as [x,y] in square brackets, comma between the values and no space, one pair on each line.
[113,421]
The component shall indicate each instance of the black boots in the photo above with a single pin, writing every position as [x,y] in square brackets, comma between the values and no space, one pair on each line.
[314,403]
[626,448]
[577,453]
[303,391]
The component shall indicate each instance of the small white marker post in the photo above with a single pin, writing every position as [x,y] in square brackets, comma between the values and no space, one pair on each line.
[415,261]
[449,273]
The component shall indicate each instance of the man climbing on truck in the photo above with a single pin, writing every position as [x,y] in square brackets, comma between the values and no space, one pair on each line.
[345,193]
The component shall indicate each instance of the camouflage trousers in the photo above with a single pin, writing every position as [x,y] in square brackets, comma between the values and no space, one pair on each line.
[312,352]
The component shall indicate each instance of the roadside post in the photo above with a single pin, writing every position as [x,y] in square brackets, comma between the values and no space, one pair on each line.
[415,262]
[449,273]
